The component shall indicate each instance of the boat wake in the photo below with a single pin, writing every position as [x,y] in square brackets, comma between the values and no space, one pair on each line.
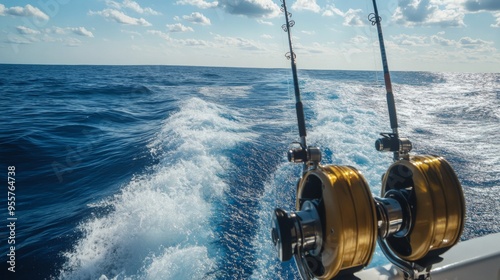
[160,224]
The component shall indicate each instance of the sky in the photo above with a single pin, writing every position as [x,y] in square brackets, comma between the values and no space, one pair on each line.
[420,35]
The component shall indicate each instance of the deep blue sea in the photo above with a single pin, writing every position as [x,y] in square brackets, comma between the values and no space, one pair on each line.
[167,172]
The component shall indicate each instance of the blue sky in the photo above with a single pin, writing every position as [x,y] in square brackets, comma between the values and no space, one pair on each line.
[427,35]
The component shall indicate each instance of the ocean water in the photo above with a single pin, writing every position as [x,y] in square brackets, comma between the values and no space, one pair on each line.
[166,172]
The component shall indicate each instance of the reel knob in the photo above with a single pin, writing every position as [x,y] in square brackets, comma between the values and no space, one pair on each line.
[296,230]
[281,234]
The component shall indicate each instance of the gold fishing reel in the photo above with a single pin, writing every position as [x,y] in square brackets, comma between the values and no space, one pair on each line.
[337,222]
[342,234]
[433,209]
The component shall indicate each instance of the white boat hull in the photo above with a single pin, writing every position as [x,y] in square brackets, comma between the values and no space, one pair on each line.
[475,259]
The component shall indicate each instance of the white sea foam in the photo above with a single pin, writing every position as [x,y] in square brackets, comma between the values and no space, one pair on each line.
[225,91]
[159,225]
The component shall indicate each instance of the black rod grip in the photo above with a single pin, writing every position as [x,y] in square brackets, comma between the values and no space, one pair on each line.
[392,110]
[300,118]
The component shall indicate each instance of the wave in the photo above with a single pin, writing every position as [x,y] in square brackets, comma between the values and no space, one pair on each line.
[163,218]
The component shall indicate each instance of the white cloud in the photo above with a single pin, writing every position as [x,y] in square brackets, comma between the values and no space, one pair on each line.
[26,31]
[251,8]
[160,34]
[439,40]
[26,11]
[131,5]
[409,40]
[81,31]
[497,20]
[194,43]
[353,18]
[261,21]
[120,17]
[428,13]
[179,28]
[197,18]
[56,30]
[310,5]
[266,36]
[198,3]
[331,10]
[47,35]
[137,8]
[469,43]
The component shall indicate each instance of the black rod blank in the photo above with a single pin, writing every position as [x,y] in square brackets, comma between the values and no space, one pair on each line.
[291,55]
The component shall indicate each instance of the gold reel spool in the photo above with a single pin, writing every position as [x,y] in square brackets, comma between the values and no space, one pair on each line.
[436,205]
[347,212]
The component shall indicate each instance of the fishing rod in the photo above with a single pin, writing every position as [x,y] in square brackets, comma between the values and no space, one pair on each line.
[307,155]
[337,222]
[408,182]
[391,141]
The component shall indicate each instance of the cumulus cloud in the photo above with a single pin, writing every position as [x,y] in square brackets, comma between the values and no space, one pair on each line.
[159,33]
[331,10]
[482,5]
[428,13]
[439,40]
[497,20]
[353,18]
[26,31]
[179,28]
[469,43]
[26,11]
[81,31]
[310,5]
[120,17]
[137,8]
[55,30]
[202,4]
[197,18]
[409,40]
[132,5]
[53,34]
[251,8]
[265,22]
